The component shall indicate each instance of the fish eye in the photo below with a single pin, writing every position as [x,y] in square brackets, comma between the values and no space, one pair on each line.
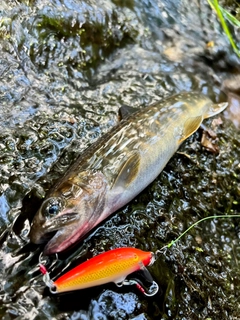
[51,207]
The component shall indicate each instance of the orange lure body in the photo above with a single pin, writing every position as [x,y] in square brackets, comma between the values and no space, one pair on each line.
[111,266]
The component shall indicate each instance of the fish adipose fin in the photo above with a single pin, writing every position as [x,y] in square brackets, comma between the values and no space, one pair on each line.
[190,126]
[128,171]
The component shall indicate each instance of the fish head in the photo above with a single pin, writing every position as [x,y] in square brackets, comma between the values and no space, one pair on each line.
[69,212]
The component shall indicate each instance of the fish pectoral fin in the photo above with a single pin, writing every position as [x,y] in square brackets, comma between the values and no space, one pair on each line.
[190,126]
[128,171]
[125,111]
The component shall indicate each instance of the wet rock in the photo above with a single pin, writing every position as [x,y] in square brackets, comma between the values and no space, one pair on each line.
[66,68]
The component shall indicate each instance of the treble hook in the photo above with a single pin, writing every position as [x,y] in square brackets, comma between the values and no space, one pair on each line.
[45,259]
[46,278]
[153,288]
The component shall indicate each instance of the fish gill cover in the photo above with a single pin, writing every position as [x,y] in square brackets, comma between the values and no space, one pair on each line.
[66,68]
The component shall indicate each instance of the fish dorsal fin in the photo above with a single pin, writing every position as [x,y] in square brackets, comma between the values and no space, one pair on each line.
[128,171]
[125,111]
[190,126]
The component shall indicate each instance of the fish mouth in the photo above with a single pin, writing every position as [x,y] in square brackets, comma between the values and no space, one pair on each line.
[46,237]
[47,231]
[52,245]
[63,232]
[67,235]
[55,240]
[65,238]
[37,237]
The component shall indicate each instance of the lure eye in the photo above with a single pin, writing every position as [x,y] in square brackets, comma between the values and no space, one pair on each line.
[135,257]
[51,207]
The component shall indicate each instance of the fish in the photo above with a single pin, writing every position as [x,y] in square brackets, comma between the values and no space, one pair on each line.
[110,266]
[116,168]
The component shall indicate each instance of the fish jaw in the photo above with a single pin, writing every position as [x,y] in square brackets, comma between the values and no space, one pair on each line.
[70,212]
[67,236]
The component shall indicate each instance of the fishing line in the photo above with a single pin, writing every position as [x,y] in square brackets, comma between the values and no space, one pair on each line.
[170,244]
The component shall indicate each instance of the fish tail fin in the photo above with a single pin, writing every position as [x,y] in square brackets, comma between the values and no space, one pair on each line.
[215,109]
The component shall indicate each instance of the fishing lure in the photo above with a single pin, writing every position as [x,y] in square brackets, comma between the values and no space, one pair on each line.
[111,266]
[114,266]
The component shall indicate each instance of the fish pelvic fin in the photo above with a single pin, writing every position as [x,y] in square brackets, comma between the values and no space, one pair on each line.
[190,126]
[215,109]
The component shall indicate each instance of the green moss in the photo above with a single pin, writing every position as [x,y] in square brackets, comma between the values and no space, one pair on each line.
[4,28]
[95,40]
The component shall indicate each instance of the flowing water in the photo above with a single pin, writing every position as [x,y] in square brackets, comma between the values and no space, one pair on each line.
[66,67]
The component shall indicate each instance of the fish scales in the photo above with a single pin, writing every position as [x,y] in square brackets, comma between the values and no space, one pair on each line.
[118,166]
[125,137]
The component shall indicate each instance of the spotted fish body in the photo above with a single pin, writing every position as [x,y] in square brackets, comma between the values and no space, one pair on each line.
[117,167]
[111,266]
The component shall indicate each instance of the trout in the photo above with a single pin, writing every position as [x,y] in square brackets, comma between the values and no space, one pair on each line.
[117,167]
